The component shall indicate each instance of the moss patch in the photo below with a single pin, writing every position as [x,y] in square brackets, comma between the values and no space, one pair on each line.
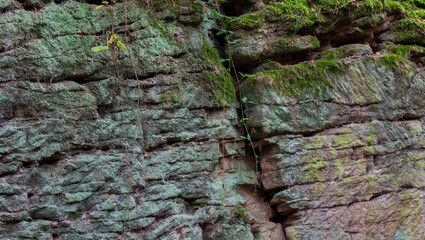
[296,44]
[219,80]
[396,56]
[297,14]
[169,97]
[304,77]
[346,51]
[249,20]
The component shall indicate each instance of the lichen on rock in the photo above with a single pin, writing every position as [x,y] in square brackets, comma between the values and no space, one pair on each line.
[238,119]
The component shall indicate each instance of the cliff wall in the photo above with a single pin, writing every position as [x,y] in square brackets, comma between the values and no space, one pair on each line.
[130,119]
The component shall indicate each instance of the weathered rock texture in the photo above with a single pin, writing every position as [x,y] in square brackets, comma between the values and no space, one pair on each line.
[146,143]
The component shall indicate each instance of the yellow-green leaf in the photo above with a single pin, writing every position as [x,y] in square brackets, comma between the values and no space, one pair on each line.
[99,48]
[119,43]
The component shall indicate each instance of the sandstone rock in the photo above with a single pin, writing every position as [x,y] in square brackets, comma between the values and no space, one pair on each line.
[143,139]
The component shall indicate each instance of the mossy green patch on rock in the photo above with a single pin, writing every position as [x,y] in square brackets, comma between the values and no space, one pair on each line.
[304,77]
[169,97]
[350,50]
[296,44]
[249,20]
[219,80]
[313,169]
[186,12]
[397,56]
[297,13]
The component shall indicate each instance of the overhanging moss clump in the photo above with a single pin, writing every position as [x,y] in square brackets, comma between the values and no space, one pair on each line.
[312,77]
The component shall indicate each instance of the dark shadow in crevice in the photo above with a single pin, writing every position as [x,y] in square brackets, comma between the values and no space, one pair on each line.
[30,5]
[6,174]
[410,116]
[234,8]
[52,159]
[55,235]
[98,2]
[219,42]
[30,194]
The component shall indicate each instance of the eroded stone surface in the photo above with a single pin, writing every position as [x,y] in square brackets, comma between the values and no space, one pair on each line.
[93,148]
[346,161]
[146,143]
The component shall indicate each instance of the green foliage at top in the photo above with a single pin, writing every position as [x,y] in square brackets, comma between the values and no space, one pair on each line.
[303,77]
[301,14]
[298,13]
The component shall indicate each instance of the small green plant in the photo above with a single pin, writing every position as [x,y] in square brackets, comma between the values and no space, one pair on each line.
[238,212]
[113,40]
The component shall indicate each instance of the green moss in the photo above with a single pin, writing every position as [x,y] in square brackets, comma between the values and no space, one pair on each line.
[372,21]
[347,180]
[344,141]
[405,50]
[329,5]
[187,12]
[317,143]
[199,201]
[297,14]
[410,24]
[249,20]
[339,165]
[219,80]
[300,14]
[346,51]
[268,65]
[296,44]
[371,6]
[397,56]
[371,180]
[392,6]
[210,55]
[239,212]
[169,97]
[371,139]
[313,167]
[307,76]
[391,60]
[221,84]
[162,29]
[410,27]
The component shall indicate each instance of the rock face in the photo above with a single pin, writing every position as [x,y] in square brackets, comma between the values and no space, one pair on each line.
[142,140]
